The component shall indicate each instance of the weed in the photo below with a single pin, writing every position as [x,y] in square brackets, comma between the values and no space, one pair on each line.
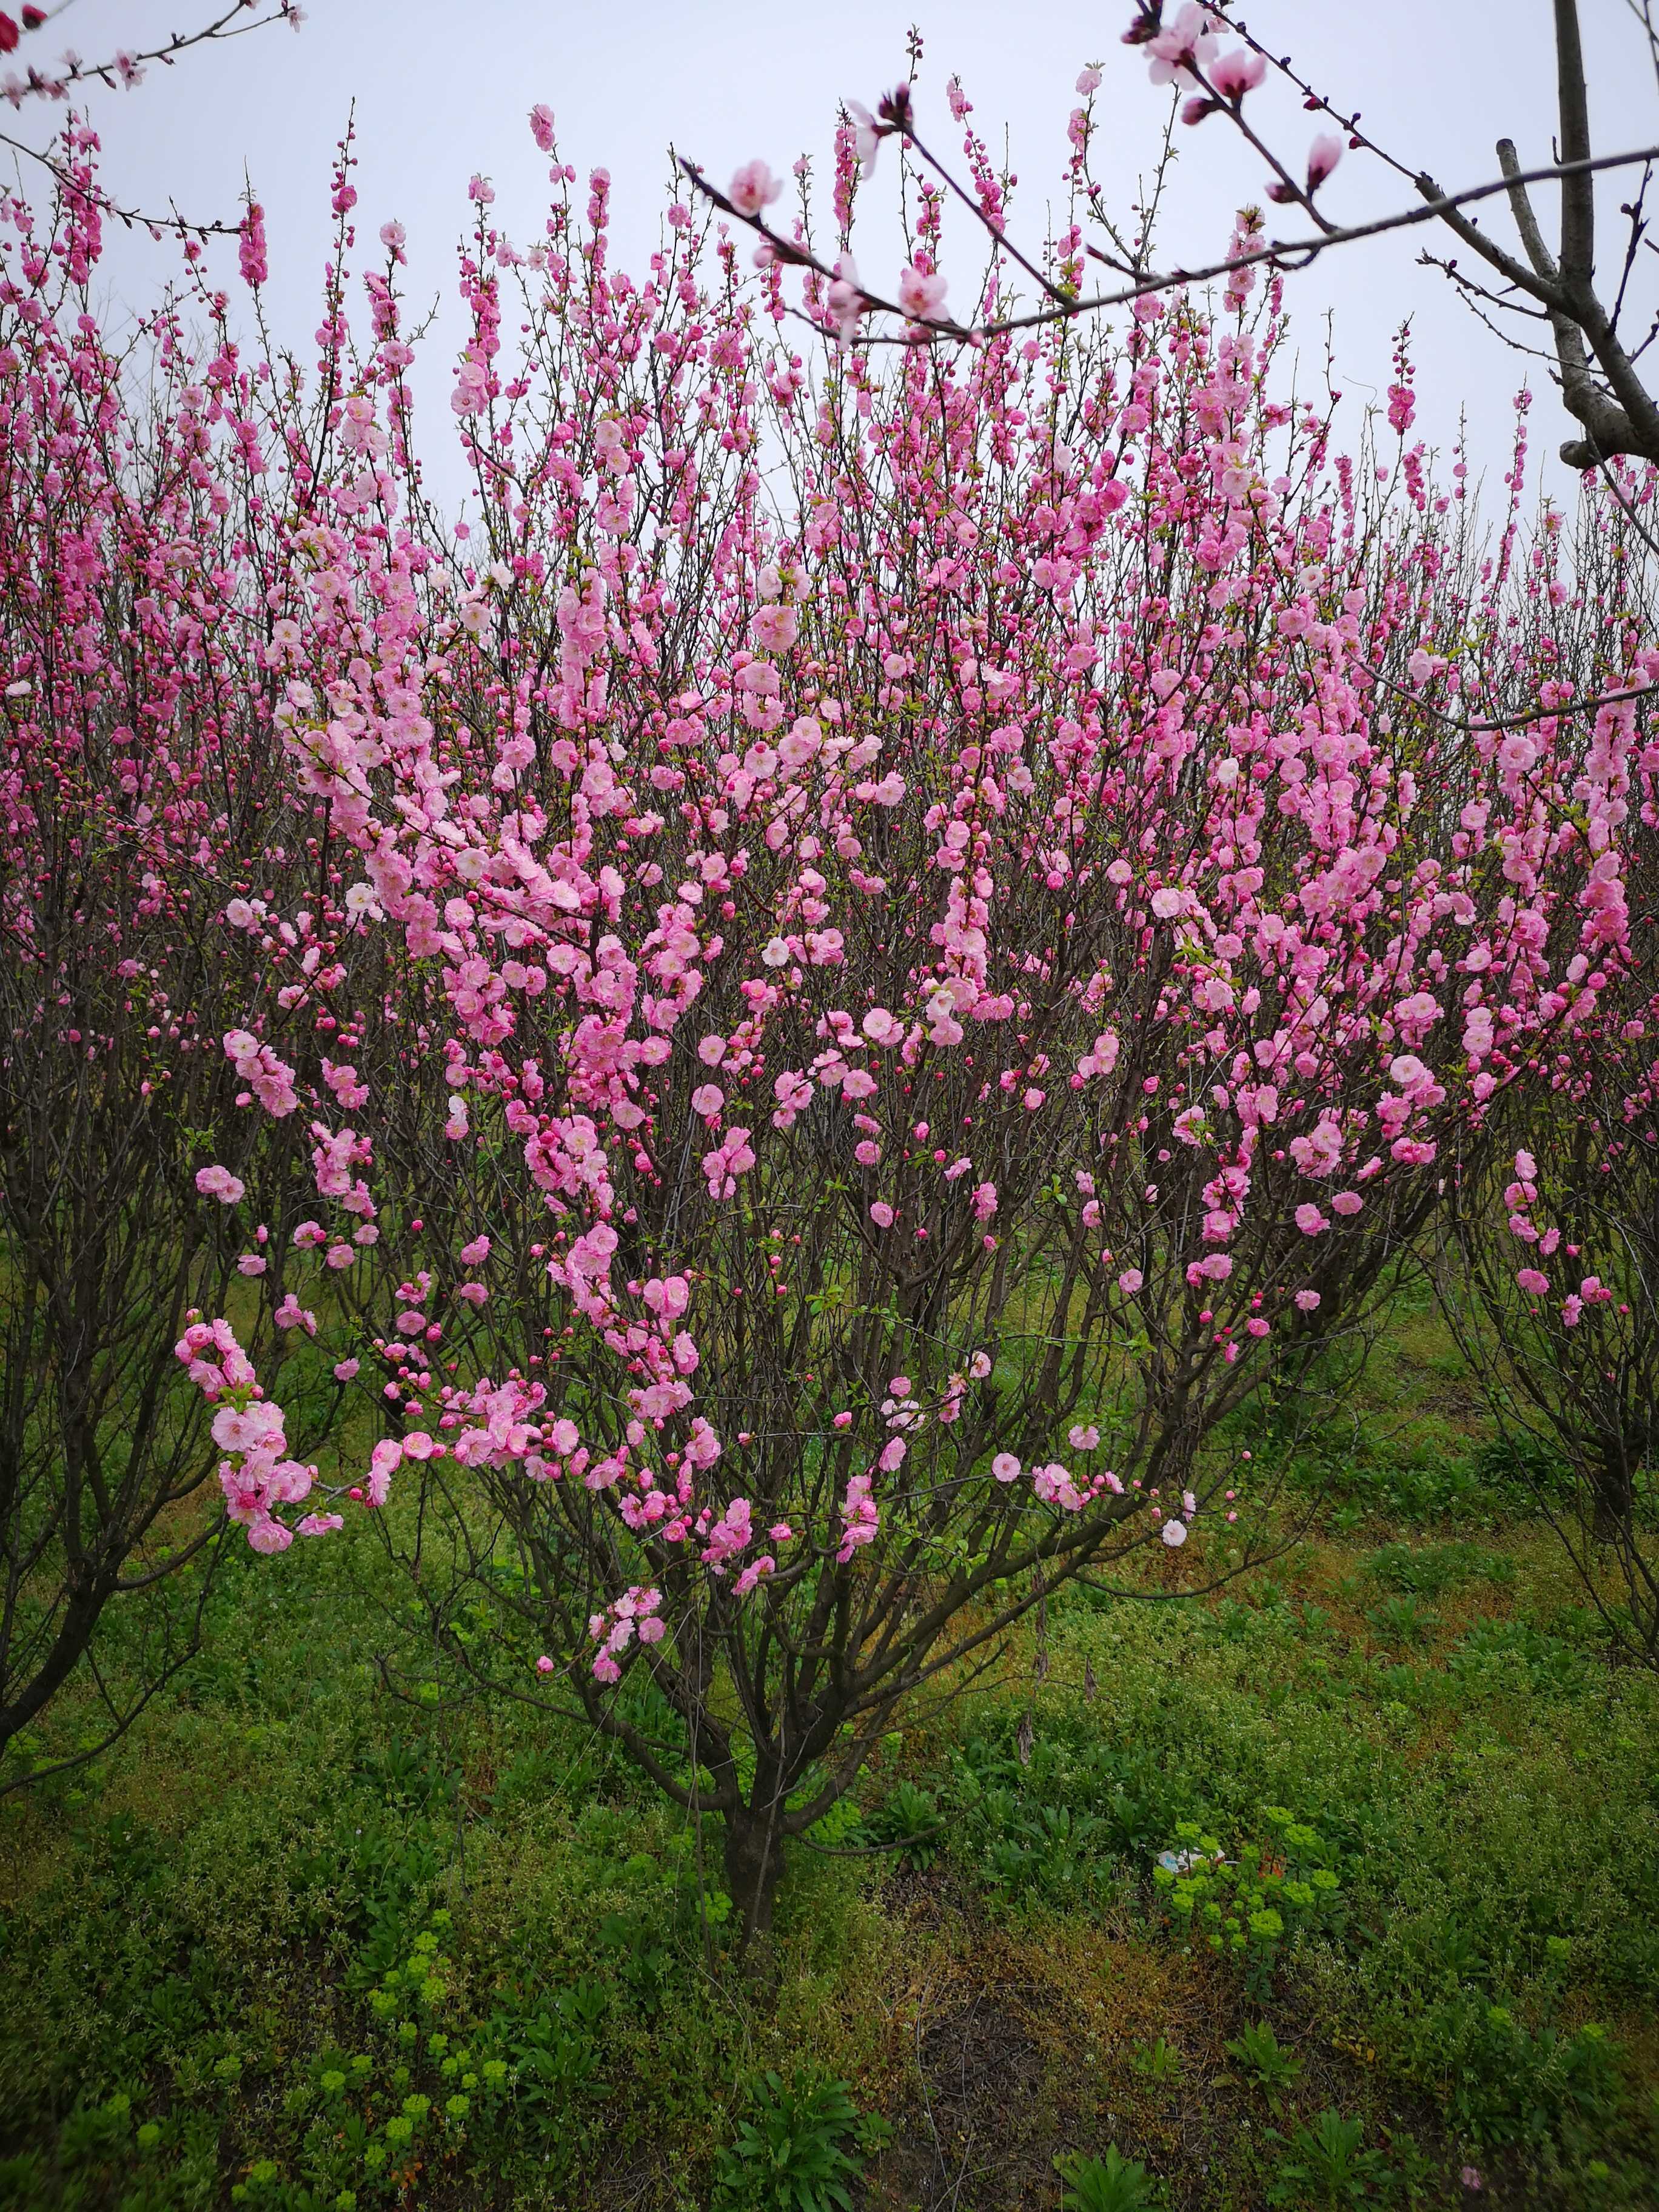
[909,1822]
[1112,2184]
[790,2154]
[1327,2165]
[1267,2064]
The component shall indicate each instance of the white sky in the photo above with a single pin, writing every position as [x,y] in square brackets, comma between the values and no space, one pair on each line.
[443,90]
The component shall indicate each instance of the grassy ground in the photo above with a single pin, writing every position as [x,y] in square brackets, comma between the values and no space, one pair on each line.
[298,1944]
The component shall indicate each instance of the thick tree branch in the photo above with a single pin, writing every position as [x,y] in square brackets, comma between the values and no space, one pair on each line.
[1578,192]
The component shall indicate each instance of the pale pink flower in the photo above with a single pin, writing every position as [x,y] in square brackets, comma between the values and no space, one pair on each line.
[866,136]
[1235,74]
[1188,39]
[753,187]
[921,294]
[1323,157]
[846,300]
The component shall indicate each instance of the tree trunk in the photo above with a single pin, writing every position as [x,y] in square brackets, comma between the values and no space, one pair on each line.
[754,1866]
[1615,1496]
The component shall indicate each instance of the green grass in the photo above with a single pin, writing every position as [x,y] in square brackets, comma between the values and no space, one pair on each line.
[300,1944]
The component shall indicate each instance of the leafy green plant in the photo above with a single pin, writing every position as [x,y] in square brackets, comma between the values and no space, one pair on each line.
[1267,2064]
[1402,1620]
[1251,1906]
[909,1822]
[1327,2164]
[790,2154]
[1158,2061]
[1112,2184]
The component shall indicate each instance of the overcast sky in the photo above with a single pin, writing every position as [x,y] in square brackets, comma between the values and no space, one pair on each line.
[442,91]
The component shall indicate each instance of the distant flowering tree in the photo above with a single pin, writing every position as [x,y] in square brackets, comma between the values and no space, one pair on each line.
[1552,1264]
[138,787]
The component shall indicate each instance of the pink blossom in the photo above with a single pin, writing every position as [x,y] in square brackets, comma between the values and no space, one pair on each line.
[1307,1301]
[383,1462]
[1188,40]
[292,1315]
[251,251]
[881,1214]
[860,1518]
[753,187]
[921,294]
[1232,74]
[1005,1468]
[845,300]
[1323,156]
[219,1182]
[1532,1282]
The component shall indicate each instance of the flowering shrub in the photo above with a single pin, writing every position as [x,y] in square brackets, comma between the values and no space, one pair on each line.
[892,941]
